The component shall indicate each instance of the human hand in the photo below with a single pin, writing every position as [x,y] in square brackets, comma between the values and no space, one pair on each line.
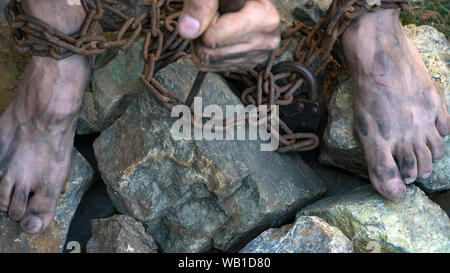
[235,41]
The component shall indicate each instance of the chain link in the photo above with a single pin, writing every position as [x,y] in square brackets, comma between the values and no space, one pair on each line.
[272,85]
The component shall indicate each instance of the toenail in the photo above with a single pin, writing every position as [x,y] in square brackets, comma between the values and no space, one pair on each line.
[15,217]
[409,180]
[394,188]
[425,175]
[3,209]
[32,224]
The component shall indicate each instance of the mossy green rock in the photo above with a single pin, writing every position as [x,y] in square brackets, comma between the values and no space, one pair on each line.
[116,82]
[341,148]
[373,223]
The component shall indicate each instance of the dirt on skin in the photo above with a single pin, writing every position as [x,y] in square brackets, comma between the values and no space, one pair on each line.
[12,65]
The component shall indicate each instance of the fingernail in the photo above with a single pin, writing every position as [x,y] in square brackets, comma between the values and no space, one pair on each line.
[188,25]
[394,188]
[32,224]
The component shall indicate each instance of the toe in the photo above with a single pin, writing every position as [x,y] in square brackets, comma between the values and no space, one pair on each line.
[40,212]
[443,124]
[6,191]
[424,160]
[436,145]
[385,175]
[407,162]
[18,203]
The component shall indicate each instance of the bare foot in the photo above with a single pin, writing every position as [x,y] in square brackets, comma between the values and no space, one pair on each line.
[38,127]
[400,113]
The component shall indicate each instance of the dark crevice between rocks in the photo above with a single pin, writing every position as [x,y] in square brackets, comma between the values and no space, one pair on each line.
[95,203]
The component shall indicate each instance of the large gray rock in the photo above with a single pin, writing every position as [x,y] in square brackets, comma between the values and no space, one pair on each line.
[309,234]
[13,240]
[195,195]
[120,234]
[341,148]
[373,223]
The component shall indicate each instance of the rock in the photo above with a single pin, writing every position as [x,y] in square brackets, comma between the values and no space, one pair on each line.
[341,148]
[309,234]
[311,11]
[307,11]
[120,234]
[286,10]
[13,240]
[338,181]
[414,224]
[196,195]
[2,7]
[116,82]
[88,118]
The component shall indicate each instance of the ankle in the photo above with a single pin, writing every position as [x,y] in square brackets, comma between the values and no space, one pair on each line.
[58,14]
[372,23]
[371,30]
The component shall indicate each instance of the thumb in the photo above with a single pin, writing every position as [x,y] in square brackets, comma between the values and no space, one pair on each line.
[196,17]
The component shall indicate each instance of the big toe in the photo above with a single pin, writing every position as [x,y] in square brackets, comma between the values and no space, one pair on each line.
[39,213]
[385,175]
[32,224]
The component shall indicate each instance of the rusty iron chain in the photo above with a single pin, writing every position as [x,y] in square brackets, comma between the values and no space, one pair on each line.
[272,85]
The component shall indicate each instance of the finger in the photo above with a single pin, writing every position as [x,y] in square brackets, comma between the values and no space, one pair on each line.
[247,54]
[237,63]
[255,18]
[196,17]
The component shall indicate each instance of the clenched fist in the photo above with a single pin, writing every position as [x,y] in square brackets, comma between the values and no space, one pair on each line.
[235,41]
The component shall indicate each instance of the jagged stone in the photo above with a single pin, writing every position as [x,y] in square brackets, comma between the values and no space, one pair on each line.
[309,234]
[116,82]
[373,223]
[120,234]
[341,148]
[88,118]
[195,195]
[13,240]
